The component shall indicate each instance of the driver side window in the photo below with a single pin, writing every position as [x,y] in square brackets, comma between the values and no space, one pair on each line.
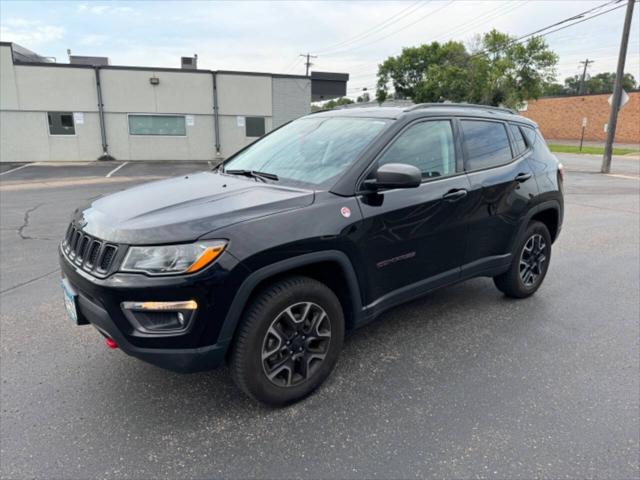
[427,145]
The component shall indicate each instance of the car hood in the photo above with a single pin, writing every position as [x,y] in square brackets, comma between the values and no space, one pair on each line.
[183,209]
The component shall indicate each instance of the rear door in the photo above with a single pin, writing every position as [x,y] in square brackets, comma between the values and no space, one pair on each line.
[411,235]
[501,186]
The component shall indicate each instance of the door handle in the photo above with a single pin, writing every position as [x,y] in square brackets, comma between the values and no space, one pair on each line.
[455,195]
[522,177]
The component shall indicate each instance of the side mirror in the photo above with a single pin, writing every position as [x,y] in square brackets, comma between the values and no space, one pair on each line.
[395,175]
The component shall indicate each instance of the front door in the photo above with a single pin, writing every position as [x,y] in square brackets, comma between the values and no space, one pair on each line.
[413,236]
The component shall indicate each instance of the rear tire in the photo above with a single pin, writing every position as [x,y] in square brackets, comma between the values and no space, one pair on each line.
[288,342]
[530,263]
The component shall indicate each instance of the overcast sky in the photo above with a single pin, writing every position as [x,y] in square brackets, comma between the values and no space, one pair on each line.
[350,37]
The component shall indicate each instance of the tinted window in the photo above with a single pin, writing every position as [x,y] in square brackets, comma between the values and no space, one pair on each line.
[486,144]
[520,144]
[254,126]
[428,146]
[61,123]
[530,134]
[157,125]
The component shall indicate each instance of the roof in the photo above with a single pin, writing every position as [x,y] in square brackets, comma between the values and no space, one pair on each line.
[428,109]
[39,61]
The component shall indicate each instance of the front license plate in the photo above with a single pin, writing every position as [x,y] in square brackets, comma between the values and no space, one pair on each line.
[70,301]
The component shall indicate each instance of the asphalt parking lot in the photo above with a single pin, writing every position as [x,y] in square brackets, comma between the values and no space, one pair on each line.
[461,384]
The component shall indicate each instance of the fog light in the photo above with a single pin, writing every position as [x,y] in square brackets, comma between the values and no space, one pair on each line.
[160,317]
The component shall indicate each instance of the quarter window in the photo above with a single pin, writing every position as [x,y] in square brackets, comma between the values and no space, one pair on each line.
[520,144]
[486,144]
[530,134]
[428,146]
[254,126]
[61,123]
[157,125]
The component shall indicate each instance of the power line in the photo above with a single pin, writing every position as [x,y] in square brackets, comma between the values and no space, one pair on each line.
[486,17]
[381,26]
[395,31]
[578,17]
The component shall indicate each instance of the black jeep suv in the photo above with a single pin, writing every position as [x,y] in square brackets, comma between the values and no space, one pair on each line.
[313,230]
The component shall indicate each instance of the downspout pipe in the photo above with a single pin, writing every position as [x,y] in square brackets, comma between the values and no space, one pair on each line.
[216,119]
[103,132]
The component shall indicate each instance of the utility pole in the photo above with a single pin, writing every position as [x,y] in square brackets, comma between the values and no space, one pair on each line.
[586,64]
[308,62]
[617,90]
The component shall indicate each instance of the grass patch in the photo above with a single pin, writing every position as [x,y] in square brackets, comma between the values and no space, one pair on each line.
[587,149]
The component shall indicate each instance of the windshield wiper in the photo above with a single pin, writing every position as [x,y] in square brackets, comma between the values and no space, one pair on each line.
[253,174]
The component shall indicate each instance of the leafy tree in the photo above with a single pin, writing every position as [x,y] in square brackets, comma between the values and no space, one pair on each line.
[331,104]
[603,82]
[514,71]
[425,73]
[553,89]
[497,71]
[600,83]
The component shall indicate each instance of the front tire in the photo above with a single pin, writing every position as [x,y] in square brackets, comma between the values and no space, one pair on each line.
[288,342]
[530,263]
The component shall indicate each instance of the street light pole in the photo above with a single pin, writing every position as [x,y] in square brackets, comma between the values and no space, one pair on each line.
[617,90]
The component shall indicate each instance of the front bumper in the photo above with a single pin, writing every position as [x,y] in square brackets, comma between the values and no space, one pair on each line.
[196,349]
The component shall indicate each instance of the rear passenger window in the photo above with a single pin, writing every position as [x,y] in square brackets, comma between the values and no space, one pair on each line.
[486,144]
[520,144]
[428,146]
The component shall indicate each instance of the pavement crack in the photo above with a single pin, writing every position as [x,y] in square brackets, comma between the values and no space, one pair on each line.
[28,282]
[25,224]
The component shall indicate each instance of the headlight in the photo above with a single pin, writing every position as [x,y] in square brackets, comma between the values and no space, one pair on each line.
[172,259]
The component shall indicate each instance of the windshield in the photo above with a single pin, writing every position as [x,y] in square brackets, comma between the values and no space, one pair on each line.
[309,150]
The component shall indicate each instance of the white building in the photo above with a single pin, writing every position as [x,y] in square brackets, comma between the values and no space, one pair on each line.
[89,109]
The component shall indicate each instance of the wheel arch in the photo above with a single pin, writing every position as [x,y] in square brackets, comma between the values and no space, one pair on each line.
[551,218]
[332,267]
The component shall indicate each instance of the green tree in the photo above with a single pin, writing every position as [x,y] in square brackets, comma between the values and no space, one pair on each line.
[426,73]
[331,104]
[553,89]
[600,83]
[514,71]
[498,71]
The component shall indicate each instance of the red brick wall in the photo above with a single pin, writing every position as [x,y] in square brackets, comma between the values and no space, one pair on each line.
[561,117]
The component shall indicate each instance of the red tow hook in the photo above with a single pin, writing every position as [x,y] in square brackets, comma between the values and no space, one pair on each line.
[110,343]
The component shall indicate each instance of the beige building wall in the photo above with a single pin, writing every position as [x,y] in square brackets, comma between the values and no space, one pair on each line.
[28,92]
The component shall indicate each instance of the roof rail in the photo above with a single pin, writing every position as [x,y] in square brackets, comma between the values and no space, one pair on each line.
[461,105]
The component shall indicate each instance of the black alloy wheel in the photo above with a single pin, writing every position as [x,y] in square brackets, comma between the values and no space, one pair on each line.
[532,260]
[530,263]
[288,341]
[296,344]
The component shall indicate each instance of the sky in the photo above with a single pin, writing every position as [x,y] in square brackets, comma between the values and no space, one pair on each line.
[347,36]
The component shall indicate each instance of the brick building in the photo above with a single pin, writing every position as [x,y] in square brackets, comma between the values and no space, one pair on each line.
[561,117]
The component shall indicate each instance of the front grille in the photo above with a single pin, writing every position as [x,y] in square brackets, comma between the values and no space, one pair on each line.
[88,252]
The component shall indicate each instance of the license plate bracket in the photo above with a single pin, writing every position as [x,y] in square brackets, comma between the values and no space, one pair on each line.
[70,301]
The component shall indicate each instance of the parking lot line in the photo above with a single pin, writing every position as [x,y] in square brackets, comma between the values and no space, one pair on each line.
[16,169]
[629,177]
[115,169]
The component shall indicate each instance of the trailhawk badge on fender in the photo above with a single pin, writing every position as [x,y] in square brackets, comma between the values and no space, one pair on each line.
[346,213]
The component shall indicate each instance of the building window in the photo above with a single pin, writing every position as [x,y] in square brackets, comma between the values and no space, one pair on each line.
[61,123]
[173,125]
[254,126]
